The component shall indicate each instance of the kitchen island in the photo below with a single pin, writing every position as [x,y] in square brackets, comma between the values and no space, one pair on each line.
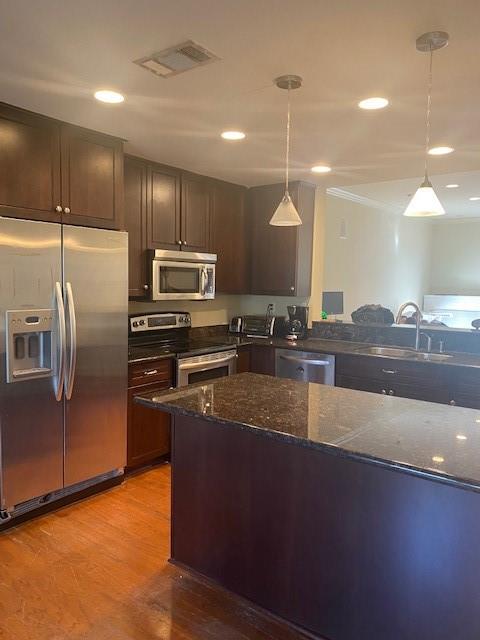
[350,515]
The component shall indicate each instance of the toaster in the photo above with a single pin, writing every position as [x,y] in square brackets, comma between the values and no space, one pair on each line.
[236,325]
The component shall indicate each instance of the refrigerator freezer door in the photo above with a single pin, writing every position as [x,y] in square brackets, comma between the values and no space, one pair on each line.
[96,307]
[31,418]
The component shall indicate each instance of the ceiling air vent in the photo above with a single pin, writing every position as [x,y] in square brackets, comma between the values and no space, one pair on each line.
[178,59]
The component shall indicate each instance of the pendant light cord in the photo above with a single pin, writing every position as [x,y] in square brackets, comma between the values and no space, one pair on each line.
[287,155]
[429,110]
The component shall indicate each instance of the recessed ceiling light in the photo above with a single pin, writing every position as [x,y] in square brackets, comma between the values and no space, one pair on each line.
[474,198]
[438,459]
[452,186]
[321,168]
[373,103]
[440,151]
[233,135]
[112,97]
[461,437]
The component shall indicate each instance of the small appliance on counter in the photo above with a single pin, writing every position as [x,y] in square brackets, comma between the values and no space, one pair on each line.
[236,325]
[297,322]
[258,326]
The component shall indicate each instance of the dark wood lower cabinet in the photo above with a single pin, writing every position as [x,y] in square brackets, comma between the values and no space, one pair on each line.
[262,360]
[244,354]
[400,390]
[148,430]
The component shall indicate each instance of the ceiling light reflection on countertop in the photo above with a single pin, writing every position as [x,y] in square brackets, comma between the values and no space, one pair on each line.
[233,135]
[460,436]
[452,186]
[440,151]
[111,97]
[474,198]
[370,104]
[321,168]
[438,459]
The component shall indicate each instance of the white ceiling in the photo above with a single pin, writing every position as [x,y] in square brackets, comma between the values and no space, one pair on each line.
[54,53]
[394,195]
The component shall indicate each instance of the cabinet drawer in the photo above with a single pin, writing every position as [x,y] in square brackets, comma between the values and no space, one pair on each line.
[390,371]
[156,371]
[389,388]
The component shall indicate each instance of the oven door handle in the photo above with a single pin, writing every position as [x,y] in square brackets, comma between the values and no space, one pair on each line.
[204,364]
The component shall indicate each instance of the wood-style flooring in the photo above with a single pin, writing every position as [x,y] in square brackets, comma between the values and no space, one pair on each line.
[98,570]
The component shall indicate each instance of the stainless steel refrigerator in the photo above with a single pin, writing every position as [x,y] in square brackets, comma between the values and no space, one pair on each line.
[63,360]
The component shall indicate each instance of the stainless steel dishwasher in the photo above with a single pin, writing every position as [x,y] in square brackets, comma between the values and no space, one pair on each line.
[305,366]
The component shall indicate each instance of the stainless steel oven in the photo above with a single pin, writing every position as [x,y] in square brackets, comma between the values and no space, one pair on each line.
[205,367]
[182,275]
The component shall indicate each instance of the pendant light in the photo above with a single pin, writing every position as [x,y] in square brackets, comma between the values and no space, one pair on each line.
[425,201]
[286,214]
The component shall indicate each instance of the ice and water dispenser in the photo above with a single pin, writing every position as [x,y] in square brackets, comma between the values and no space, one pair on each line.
[30,344]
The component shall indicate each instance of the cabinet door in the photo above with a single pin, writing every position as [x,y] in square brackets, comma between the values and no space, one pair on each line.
[244,359]
[163,208]
[148,429]
[29,165]
[274,249]
[92,178]
[196,206]
[229,238]
[135,181]
[262,360]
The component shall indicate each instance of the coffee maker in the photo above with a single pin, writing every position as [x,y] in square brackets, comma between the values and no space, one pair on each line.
[297,322]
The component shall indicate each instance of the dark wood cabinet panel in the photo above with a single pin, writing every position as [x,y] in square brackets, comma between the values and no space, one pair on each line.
[29,165]
[148,429]
[196,212]
[244,359]
[163,208]
[262,360]
[92,178]
[229,238]
[392,388]
[135,181]
[281,257]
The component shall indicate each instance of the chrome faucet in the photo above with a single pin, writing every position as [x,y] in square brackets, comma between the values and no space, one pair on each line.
[418,320]
[429,340]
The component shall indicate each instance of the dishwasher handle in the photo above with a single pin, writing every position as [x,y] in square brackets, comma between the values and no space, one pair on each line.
[318,363]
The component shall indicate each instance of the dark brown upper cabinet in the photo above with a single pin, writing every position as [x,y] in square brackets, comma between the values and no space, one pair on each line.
[135,181]
[56,172]
[229,238]
[163,207]
[92,178]
[281,257]
[196,212]
[29,165]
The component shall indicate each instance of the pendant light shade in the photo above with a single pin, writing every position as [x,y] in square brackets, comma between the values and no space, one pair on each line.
[286,214]
[424,202]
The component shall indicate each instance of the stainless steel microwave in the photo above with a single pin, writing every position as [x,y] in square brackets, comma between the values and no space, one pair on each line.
[182,275]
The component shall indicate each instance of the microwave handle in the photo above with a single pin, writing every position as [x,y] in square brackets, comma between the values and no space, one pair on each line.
[203,281]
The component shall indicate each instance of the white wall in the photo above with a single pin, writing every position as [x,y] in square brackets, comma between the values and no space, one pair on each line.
[385,258]
[455,264]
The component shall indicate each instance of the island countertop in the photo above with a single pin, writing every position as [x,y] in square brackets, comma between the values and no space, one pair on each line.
[419,437]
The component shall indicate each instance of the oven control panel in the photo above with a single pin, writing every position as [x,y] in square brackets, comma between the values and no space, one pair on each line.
[159,321]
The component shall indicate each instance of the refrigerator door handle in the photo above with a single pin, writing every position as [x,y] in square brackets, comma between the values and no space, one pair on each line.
[73,342]
[62,333]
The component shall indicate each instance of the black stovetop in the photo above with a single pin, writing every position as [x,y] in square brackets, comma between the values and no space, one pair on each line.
[167,347]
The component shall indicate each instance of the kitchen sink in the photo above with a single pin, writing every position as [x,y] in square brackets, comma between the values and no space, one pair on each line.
[391,352]
[409,354]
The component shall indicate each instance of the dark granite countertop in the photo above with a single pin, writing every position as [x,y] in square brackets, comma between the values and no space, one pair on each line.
[334,347]
[436,440]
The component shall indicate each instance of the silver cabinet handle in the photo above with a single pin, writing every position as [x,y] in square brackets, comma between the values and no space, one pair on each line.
[58,209]
[391,392]
[391,372]
[179,242]
[66,210]
[61,341]
[292,288]
[73,342]
[320,363]
[146,287]
[150,373]
[452,403]
[384,392]
[185,242]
